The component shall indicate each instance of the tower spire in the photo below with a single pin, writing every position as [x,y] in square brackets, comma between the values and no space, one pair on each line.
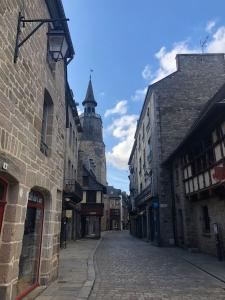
[89,102]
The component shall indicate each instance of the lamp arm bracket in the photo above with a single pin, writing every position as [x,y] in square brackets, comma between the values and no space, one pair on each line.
[21,23]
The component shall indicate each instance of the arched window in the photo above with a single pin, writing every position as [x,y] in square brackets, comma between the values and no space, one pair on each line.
[47,124]
[3,189]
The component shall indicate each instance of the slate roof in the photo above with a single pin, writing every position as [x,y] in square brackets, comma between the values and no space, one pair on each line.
[90,95]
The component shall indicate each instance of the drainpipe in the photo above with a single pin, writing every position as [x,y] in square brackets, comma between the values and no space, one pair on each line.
[173,205]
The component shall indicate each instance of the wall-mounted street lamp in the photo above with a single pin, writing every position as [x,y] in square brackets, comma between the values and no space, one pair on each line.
[57,44]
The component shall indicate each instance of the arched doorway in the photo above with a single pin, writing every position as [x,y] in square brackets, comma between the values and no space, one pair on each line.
[31,247]
[3,190]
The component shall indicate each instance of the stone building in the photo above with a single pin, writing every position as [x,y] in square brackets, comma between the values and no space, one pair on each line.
[72,190]
[197,167]
[92,167]
[112,209]
[170,108]
[32,135]
[125,210]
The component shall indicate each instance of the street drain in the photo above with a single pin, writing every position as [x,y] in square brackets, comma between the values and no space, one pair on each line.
[62,281]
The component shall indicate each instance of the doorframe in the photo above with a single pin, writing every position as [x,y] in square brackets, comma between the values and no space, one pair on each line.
[33,204]
[4,202]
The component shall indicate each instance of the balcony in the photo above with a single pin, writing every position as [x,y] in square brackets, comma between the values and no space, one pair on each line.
[73,190]
[92,209]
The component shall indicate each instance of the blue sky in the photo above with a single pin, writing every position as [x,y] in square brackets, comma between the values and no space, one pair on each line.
[130,44]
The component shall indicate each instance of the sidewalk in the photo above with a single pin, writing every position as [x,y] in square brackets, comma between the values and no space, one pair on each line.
[206,263]
[76,272]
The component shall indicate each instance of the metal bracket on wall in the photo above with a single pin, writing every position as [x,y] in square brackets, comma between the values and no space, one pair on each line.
[21,23]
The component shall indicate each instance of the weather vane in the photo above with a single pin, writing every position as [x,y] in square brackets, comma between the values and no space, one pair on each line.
[203,44]
[91,71]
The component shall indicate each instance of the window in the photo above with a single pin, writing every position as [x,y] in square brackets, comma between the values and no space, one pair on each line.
[68,171]
[177,174]
[140,165]
[47,124]
[70,135]
[206,219]
[149,150]
[91,196]
[73,141]
[144,159]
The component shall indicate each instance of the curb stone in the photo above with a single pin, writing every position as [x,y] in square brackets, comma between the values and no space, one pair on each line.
[88,285]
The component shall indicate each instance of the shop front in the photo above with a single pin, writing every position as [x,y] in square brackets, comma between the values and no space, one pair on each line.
[91,219]
[29,262]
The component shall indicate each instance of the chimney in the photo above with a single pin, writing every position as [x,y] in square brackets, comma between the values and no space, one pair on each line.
[195,63]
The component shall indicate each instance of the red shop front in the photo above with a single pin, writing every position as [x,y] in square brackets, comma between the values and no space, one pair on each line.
[31,249]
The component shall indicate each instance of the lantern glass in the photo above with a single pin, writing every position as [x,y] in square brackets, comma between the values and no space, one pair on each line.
[57,44]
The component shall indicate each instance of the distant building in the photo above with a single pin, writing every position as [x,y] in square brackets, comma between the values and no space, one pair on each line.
[125,210]
[198,174]
[170,108]
[92,167]
[115,208]
[72,190]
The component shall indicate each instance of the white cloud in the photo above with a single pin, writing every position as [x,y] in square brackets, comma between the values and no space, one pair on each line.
[217,44]
[120,108]
[147,73]
[167,59]
[209,26]
[123,129]
[139,94]
[79,110]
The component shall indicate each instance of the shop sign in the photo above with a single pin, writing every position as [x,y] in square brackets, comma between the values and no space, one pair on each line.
[219,173]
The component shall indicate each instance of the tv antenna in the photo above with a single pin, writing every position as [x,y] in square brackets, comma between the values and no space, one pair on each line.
[204,43]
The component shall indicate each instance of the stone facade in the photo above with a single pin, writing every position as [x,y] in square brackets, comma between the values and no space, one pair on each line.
[72,194]
[112,219]
[171,106]
[198,192]
[24,167]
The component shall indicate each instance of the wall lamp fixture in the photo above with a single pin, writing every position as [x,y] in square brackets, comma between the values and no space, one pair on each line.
[57,44]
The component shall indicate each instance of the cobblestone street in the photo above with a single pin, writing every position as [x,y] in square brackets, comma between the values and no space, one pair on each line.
[128,268]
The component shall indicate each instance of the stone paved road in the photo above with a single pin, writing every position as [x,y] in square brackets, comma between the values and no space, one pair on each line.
[130,269]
